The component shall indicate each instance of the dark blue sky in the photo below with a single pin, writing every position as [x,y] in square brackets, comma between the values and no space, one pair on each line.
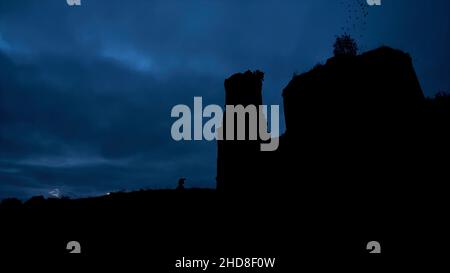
[86,92]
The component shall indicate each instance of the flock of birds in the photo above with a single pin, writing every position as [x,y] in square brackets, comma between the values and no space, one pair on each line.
[356,20]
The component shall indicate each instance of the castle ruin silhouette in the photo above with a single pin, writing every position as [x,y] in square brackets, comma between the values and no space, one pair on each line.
[354,131]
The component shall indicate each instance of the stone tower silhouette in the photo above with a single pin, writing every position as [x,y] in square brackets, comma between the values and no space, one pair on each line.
[237,160]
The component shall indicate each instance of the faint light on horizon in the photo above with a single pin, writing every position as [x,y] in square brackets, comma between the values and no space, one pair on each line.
[71,161]
[55,193]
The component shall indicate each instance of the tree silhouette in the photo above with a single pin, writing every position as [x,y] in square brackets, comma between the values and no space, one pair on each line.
[345,45]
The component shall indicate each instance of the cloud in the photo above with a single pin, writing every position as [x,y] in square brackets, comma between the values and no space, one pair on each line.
[108,131]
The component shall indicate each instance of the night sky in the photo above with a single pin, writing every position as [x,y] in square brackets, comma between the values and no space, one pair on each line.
[86,92]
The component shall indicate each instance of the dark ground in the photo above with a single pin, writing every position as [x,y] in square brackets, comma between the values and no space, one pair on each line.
[152,229]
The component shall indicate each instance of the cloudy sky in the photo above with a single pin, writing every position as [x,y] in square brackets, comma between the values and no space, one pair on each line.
[86,92]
